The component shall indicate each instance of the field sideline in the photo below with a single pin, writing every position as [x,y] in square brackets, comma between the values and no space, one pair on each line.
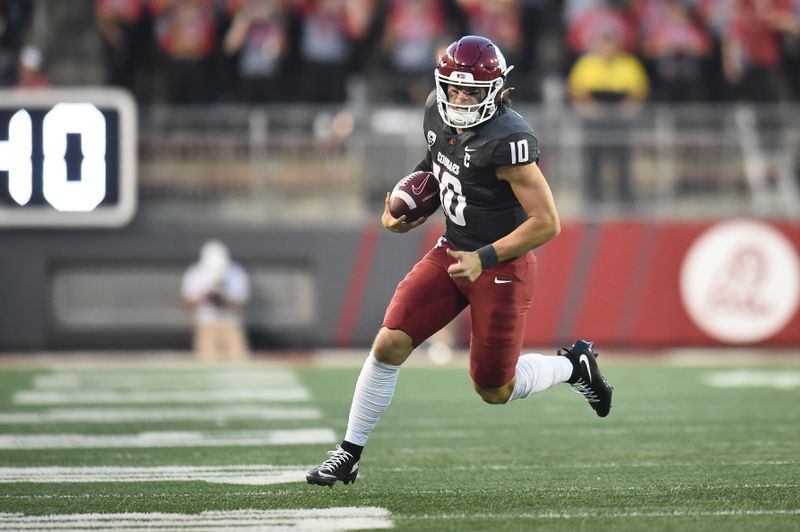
[697,440]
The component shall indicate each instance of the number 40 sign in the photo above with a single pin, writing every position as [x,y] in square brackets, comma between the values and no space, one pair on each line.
[69,157]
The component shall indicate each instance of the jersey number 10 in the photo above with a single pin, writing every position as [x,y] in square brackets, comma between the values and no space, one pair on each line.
[519,151]
[453,200]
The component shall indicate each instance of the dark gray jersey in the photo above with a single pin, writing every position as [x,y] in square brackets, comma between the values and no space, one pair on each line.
[478,207]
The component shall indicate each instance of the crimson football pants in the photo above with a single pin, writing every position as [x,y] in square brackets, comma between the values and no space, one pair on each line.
[427,299]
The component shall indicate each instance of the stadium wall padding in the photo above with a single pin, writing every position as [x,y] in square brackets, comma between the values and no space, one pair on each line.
[617,283]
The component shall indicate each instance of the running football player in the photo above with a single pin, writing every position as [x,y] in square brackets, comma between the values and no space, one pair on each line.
[498,208]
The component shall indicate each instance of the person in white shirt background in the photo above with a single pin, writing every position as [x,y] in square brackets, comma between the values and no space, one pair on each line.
[216,290]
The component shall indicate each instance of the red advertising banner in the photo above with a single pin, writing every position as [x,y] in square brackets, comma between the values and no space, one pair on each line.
[637,283]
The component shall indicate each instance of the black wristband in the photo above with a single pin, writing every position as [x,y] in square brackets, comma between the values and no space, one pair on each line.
[488,256]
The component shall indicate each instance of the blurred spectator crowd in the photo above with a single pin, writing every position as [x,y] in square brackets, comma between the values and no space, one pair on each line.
[261,51]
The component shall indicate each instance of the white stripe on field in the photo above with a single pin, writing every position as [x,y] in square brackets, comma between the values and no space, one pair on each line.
[138,380]
[232,494]
[168,439]
[748,378]
[253,475]
[123,415]
[36,397]
[604,465]
[298,520]
[609,515]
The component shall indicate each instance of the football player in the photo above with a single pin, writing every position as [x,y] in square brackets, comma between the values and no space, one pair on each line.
[498,207]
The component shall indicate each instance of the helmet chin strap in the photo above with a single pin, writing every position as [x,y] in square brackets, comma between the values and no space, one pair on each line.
[463,118]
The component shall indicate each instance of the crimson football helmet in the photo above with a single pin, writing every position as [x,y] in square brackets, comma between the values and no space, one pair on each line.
[471,61]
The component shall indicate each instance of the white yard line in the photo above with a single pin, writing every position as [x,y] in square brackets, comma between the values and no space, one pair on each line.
[168,439]
[42,397]
[328,519]
[175,494]
[188,380]
[257,474]
[300,520]
[126,415]
[253,475]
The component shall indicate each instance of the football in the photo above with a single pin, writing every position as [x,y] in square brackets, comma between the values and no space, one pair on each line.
[416,195]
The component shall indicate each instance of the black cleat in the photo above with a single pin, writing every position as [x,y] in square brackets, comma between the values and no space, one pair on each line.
[589,382]
[340,466]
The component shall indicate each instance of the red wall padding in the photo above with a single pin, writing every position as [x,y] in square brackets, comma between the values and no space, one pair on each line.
[618,283]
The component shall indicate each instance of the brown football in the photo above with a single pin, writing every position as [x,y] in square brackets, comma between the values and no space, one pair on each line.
[416,195]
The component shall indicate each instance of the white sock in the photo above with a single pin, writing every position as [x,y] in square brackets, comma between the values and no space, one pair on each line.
[373,393]
[537,372]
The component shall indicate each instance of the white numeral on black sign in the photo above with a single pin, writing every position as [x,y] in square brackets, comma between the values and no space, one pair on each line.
[81,195]
[15,157]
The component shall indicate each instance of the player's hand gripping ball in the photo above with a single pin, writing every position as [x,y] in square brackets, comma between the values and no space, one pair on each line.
[416,195]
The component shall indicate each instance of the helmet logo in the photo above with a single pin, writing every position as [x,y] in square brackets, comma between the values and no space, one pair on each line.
[431,137]
[461,76]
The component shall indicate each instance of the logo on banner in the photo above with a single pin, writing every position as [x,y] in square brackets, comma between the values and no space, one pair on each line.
[740,281]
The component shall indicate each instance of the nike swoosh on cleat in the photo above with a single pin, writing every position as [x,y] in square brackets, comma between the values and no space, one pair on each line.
[501,281]
[417,189]
[584,359]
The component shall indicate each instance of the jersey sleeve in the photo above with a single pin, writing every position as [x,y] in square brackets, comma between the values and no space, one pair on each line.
[428,118]
[425,164]
[431,100]
[518,148]
[429,131]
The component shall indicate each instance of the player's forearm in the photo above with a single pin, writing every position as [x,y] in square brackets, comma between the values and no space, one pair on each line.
[532,233]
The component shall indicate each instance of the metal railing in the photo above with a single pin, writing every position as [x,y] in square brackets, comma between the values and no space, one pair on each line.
[313,165]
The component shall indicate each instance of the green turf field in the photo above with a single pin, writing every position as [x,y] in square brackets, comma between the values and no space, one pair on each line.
[183,447]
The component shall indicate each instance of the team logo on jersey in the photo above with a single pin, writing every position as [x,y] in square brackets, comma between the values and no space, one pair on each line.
[431,137]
